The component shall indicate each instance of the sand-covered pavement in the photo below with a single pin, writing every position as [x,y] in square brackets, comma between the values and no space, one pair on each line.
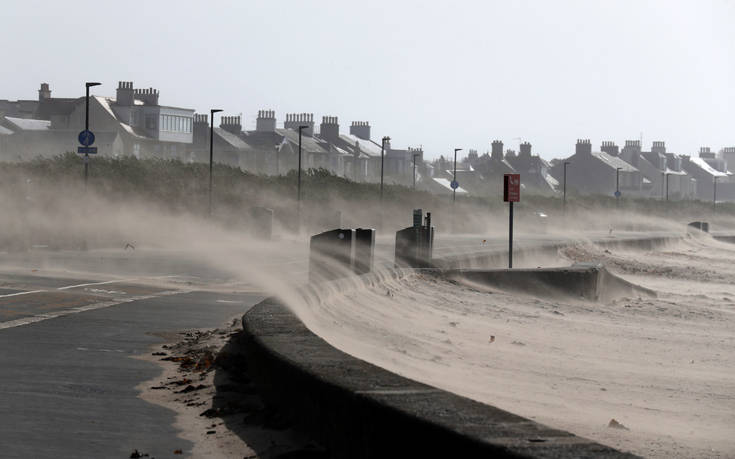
[663,367]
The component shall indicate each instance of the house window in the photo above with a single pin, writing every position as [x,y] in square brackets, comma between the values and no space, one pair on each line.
[150,122]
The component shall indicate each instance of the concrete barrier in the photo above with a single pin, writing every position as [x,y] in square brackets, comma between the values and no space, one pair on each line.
[261,222]
[358,410]
[330,254]
[590,282]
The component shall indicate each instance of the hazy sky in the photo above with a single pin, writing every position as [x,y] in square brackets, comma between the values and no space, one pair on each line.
[439,74]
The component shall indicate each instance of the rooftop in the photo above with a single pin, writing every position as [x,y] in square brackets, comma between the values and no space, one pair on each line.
[613,161]
[26,124]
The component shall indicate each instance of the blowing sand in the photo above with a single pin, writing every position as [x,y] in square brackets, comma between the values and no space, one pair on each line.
[662,367]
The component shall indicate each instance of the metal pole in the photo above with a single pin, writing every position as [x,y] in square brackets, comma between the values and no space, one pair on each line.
[414,170]
[87,85]
[298,185]
[564,201]
[454,190]
[617,186]
[86,128]
[211,154]
[663,177]
[667,186]
[382,155]
[714,196]
[510,236]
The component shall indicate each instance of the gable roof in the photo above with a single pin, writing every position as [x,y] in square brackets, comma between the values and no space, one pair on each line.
[27,124]
[702,164]
[231,139]
[613,161]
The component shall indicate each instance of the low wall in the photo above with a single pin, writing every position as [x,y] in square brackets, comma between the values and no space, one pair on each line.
[358,410]
[586,281]
[530,255]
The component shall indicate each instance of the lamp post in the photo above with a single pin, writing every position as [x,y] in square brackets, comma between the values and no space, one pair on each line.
[667,185]
[414,169]
[617,186]
[382,156]
[87,85]
[564,199]
[714,195]
[298,184]
[211,153]
[454,179]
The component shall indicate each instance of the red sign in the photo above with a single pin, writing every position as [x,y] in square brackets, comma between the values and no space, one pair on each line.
[512,187]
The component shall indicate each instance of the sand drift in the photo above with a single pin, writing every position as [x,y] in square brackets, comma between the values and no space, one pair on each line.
[647,340]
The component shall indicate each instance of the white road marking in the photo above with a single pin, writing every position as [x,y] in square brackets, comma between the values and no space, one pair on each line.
[95,283]
[89,307]
[21,293]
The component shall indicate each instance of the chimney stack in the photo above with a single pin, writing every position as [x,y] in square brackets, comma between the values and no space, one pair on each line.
[584,147]
[201,129]
[266,121]
[147,96]
[659,147]
[525,150]
[329,129]
[632,151]
[360,129]
[496,152]
[125,96]
[610,148]
[706,153]
[294,120]
[231,124]
[44,93]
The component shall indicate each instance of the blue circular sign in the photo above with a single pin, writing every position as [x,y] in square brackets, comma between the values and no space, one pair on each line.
[617,194]
[86,138]
[454,184]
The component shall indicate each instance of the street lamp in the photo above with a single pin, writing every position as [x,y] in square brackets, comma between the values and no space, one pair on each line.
[211,153]
[414,169]
[382,156]
[714,195]
[564,199]
[617,186]
[454,180]
[667,185]
[87,85]
[298,185]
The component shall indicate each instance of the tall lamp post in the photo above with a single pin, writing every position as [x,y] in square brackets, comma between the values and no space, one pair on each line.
[414,169]
[667,185]
[454,179]
[87,85]
[564,199]
[211,153]
[298,184]
[382,156]
[714,195]
[617,186]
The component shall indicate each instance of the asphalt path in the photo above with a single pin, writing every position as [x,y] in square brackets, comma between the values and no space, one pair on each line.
[68,379]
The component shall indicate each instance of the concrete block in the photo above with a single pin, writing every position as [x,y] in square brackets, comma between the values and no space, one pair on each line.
[362,261]
[415,244]
[330,254]
[261,222]
[702,226]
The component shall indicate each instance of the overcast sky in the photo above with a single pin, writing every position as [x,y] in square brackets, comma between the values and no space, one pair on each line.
[441,74]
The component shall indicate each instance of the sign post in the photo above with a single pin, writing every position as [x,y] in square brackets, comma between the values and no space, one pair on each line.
[511,194]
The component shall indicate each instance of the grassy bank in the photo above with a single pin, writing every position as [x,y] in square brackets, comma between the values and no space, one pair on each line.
[54,189]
